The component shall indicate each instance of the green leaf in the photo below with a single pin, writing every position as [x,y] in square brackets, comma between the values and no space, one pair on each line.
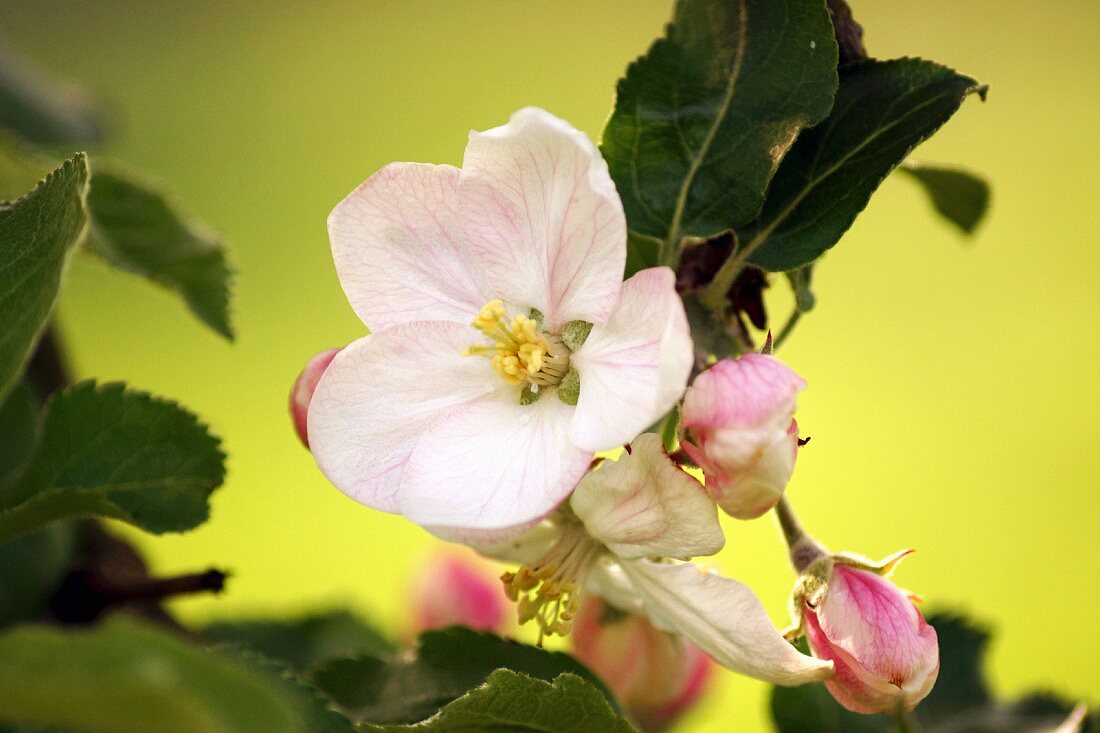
[18,422]
[958,195]
[37,233]
[446,665]
[306,642]
[31,569]
[703,119]
[20,168]
[811,709]
[118,453]
[961,683]
[883,110]
[136,229]
[43,110]
[514,702]
[126,677]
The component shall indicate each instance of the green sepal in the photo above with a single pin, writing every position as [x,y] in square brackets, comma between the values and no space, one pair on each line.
[569,391]
[575,333]
[530,394]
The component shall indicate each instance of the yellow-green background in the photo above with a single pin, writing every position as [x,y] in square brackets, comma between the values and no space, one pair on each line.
[952,384]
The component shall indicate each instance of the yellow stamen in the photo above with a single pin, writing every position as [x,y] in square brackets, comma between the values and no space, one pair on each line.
[519,352]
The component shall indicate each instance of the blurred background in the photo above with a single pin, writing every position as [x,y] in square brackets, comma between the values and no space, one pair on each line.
[953,383]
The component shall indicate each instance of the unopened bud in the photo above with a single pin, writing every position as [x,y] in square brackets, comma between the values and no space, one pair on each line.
[656,676]
[885,654]
[738,418]
[304,387]
[456,588]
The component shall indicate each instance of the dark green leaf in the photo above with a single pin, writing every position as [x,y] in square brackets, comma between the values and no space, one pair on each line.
[31,568]
[811,709]
[514,702]
[37,233]
[18,423]
[136,229]
[304,643]
[447,664]
[107,451]
[703,119]
[43,110]
[125,677]
[958,195]
[961,683]
[315,712]
[883,110]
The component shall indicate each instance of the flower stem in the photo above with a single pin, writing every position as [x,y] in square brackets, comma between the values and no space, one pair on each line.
[804,549]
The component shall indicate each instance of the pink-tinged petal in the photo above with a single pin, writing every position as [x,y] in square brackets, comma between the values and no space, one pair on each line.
[301,394]
[724,618]
[493,543]
[852,686]
[493,464]
[644,505]
[754,389]
[634,368]
[398,249]
[379,394]
[541,214]
[455,588]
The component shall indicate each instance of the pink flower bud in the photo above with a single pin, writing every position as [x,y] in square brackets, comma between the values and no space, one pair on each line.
[304,387]
[884,652]
[738,418]
[457,589]
[656,676]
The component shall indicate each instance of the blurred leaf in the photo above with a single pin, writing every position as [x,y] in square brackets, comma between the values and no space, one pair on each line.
[960,701]
[135,229]
[304,643]
[20,168]
[703,119]
[43,110]
[314,711]
[883,110]
[18,422]
[446,665]
[958,195]
[514,702]
[31,568]
[108,451]
[126,677]
[37,232]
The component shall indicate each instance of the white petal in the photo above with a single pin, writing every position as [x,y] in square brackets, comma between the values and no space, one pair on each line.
[492,465]
[724,618]
[541,214]
[644,505]
[533,542]
[607,580]
[634,368]
[398,249]
[379,394]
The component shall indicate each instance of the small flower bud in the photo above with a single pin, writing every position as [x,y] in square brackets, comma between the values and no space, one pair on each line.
[886,656]
[302,391]
[656,676]
[738,418]
[456,589]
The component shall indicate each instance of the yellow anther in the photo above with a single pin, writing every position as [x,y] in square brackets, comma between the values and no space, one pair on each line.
[519,352]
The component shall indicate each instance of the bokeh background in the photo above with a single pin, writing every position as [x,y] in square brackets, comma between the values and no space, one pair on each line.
[953,383]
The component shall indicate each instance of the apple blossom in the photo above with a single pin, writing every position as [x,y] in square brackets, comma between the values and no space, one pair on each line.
[516,257]
[738,418]
[453,588]
[655,675]
[301,394]
[622,515]
[885,654]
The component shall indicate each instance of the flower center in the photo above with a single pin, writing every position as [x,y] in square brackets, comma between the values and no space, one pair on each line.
[519,352]
[548,591]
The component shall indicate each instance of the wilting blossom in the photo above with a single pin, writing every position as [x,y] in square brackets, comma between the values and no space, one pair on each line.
[622,515]
[885,654]
[454,587]
[505,350]
[656,676]
[738,418]
[301,394]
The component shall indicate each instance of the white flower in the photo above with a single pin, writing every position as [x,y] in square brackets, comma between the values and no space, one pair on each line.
[527,243]
[623,514]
